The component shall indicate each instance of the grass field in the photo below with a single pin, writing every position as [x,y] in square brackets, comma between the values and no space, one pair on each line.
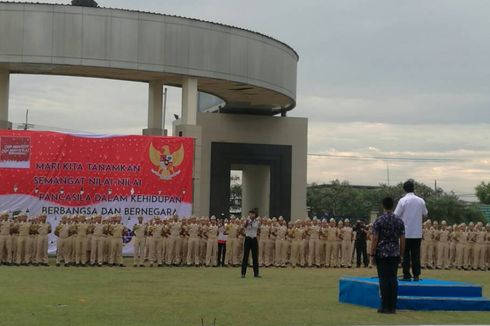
[182,296]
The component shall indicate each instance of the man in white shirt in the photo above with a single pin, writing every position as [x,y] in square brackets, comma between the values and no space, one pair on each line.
[411,210]
[252,230]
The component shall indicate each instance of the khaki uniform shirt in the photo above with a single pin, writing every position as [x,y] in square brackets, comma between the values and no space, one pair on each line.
[24,228]
[298,233]
[232,230]
[281,232]
[117,230]
[44,229]
[5,227]
[156,231]
[175,229]
[264,232]
[212,232]
[347,233]
[139,230]
[461,237]
[443,236]
[314,232]
[332,233]
[480,237]
[99,229]
[193,230]
[64,231]
[82,229]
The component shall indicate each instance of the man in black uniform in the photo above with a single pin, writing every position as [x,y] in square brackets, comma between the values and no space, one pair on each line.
[360,243]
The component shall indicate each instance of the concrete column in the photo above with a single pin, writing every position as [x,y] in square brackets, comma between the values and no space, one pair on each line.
[189,101]
[198,186]
[155,109]
[4,100]
[256,189]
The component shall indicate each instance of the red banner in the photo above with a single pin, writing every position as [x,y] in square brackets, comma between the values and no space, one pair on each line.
[58,174]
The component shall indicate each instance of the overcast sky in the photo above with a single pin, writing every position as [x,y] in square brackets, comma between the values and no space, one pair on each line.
[379,78]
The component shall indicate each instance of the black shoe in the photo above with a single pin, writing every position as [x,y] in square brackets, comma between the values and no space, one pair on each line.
[258,276]
[406,278]
[142,265]
[416,279]
[382,311]
[57,264]
[243,275]
[391,311]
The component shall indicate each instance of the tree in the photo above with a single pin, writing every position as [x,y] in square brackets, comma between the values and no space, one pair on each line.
[483,192]
[84,3]
[340,200]
[235,194]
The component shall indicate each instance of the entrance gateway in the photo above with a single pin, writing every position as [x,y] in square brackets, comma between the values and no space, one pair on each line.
[243,125]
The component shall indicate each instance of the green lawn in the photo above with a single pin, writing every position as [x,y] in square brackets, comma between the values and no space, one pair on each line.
[182,296]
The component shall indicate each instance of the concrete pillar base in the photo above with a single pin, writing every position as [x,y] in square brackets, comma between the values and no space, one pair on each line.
[5,125]
[155,101]
[4,99]
[195,132]
[154,132]
[256,189]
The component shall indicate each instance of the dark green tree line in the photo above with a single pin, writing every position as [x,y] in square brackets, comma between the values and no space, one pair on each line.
[341,200]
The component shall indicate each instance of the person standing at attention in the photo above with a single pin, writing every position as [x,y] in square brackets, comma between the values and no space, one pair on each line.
[387,244]
[222,237]
[411,210]
[251,229]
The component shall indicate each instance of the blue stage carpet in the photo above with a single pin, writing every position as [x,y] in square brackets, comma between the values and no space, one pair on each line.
[426,294]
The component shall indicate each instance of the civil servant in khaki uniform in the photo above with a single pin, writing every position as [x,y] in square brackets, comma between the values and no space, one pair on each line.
[5,239]
[139,230]
[43,230]
[117,231]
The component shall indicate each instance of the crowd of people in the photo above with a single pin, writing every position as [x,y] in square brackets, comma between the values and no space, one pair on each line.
[98,241]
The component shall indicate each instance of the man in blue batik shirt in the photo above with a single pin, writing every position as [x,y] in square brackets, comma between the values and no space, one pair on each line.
[387,243]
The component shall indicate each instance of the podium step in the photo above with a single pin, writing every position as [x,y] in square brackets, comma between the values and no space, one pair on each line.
[438,288]
[443,303]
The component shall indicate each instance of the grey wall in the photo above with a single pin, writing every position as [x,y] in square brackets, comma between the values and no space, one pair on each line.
[250,129]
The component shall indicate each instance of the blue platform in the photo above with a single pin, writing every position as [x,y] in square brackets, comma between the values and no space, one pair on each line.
[422,295]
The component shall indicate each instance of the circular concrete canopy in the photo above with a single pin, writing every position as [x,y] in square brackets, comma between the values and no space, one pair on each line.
[251,72]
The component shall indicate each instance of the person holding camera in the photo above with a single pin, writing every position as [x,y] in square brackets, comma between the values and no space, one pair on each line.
[360,243]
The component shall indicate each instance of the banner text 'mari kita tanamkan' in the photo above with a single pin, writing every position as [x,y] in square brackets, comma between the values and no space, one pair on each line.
[65,174]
